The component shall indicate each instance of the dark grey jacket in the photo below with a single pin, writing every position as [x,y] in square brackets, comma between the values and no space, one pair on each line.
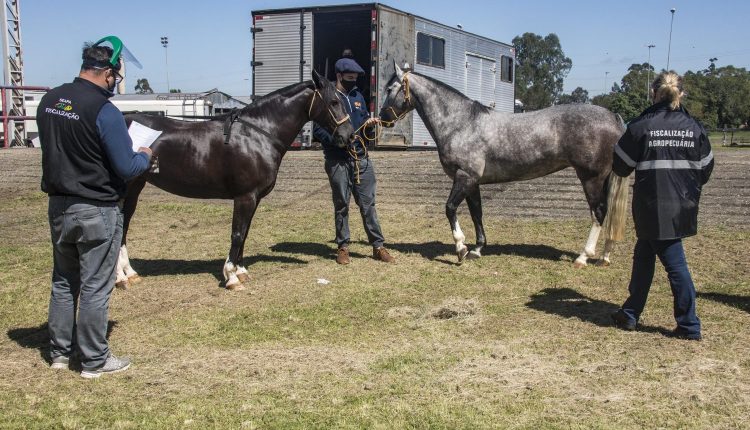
[672,159]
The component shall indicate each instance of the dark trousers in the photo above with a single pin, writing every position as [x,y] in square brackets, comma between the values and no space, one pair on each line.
[342,176]
[86,238]
[672,256]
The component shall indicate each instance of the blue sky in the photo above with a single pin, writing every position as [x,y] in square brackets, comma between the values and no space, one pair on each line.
[211,45]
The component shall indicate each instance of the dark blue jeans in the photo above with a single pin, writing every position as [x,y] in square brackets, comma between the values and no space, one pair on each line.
[672,256]
[342,176]
[86,238]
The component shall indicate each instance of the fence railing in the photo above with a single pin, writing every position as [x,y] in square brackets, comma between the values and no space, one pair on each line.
[6,119]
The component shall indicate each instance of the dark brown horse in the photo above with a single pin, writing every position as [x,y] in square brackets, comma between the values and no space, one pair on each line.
[236,156]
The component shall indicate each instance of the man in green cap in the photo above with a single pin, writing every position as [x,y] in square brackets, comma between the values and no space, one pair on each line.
[87,157]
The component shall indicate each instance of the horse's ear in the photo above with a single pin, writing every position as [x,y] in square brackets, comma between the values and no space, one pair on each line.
[316,79]
[399,72]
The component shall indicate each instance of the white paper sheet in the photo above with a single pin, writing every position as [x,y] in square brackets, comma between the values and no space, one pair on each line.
[142,135]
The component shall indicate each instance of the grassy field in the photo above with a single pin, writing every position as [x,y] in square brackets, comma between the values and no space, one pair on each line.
[741,138]
[518,339]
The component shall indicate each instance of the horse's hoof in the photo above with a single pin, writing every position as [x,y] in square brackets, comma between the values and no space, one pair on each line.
[473,255]
[579,264]
[603,263]
[135,278]
[243,277]
[235,286]
[462,253]
[122,285]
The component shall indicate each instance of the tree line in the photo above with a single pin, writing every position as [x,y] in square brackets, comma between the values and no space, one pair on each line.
[719,97]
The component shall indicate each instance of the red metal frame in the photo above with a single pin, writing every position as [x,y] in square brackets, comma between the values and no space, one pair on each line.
[5,117]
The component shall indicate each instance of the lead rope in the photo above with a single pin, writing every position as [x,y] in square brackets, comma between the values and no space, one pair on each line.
[378,127]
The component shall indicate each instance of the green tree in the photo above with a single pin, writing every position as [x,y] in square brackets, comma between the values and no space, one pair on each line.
[718,97]
[175,90]
[542,66]
[578,95]
[629,98]
[143,87]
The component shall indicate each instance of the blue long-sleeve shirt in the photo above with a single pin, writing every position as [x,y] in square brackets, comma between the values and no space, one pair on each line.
[126,163]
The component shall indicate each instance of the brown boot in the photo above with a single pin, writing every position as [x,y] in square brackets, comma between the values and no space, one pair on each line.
[342,256]
[382,255]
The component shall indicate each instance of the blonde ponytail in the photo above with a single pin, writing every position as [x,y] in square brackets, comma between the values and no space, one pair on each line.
[668,88]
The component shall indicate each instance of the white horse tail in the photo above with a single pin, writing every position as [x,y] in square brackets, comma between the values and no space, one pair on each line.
[617,203]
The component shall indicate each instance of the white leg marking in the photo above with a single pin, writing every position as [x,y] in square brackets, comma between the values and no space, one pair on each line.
[458,237]
[230,275]
[590,248]
[230,270]
[129,272]
[121,262]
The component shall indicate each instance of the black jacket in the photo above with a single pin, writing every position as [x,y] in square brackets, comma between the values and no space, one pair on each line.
[672,159]
[74,158]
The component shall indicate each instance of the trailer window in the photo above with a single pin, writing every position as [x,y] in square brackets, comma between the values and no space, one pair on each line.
[430,50]
[506,72]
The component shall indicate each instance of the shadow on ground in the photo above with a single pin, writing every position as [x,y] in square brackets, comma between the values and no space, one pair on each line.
[313,249]
[433,250]
[159,267]
[740,302]
[38,337]
[569,303]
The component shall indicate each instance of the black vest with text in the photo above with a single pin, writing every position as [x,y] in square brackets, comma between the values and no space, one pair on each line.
[74,161]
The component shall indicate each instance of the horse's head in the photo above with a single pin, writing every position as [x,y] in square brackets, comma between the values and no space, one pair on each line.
[326,110]
[398,100]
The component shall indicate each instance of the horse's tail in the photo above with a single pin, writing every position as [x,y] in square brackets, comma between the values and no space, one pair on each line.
[617,203]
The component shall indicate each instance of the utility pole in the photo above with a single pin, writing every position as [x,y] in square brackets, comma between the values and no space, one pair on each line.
[648,71]
[164,43]
[605,82]
[669,49]
[15,130]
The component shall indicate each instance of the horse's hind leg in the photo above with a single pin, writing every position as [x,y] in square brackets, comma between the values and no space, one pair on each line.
[589,250]
[462,184]
[244,209]
[474,201]
[125,274]
[594,188]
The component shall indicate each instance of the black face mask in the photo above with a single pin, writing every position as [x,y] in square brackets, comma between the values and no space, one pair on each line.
[348,85]
[116,81]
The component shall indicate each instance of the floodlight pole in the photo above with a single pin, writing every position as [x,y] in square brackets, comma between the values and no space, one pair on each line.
[164,43]
[605,82]
[669,49]
[648,70]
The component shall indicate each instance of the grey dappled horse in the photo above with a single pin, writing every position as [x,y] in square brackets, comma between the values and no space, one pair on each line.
[478,145]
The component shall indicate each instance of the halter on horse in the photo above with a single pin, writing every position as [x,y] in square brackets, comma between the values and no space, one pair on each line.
[195,161]
[478,145]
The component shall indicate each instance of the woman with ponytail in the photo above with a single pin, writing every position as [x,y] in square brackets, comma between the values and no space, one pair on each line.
[672,159]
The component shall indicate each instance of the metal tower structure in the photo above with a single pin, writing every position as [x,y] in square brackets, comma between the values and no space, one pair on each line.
[13,72]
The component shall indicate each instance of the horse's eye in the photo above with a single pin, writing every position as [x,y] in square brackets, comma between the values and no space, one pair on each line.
[335,102]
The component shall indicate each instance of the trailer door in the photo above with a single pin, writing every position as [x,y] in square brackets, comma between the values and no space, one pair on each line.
[479,82]
[282,50]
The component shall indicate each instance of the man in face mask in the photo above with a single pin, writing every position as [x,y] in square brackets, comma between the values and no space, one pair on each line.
[87,157]
[350,170]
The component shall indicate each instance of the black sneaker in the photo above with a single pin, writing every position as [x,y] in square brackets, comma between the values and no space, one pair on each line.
[680,333]
[623,321]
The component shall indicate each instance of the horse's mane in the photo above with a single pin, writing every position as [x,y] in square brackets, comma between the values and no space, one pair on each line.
[260,102]
[476,108]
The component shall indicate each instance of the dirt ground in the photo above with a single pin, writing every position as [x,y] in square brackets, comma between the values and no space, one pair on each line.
[402,175]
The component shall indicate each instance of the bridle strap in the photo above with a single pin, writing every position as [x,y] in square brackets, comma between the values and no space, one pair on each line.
[338,122]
